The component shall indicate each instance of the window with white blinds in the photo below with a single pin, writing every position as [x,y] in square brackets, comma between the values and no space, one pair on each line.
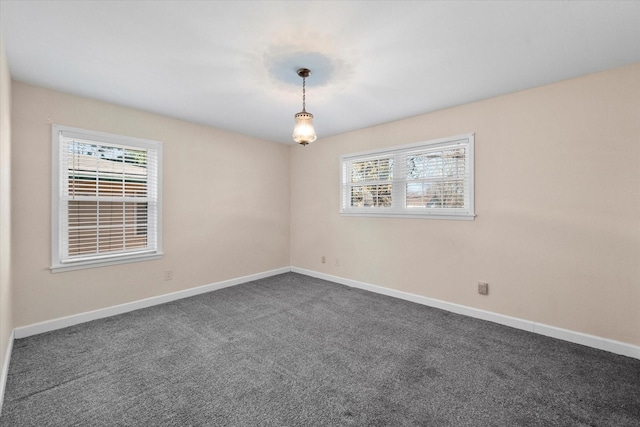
[106,199]
[431,179]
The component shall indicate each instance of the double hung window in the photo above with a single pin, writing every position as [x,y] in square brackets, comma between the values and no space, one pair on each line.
[106,204]
[432,179]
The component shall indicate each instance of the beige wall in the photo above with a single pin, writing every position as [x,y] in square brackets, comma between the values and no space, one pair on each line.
[6,321]
[226,207]
[557,232]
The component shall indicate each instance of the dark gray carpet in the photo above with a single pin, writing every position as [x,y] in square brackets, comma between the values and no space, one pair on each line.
[292,350]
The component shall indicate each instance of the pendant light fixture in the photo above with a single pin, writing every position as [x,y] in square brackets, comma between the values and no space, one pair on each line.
[303,132]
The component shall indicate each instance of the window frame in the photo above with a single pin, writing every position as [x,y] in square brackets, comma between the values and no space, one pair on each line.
[58,264]
[398,208]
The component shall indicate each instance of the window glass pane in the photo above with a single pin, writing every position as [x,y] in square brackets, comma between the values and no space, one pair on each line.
[372,170]
[424,165]
[435,194]
[100,227]
[371,195]
[385,169]
[424,195]
[357,171]
[384,196]
[82,214]
[132,188]
[110,213]
[377,195]
[415,195]
[98,170]
[83,241]
[439,170]
[356,196]
[140,212]
[452,194]
[454,162]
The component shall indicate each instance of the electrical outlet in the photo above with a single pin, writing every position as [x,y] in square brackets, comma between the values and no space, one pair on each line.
[324,259]
[483,288]
[168,274]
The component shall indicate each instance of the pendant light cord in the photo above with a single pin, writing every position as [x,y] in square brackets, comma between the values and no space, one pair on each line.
[304,96]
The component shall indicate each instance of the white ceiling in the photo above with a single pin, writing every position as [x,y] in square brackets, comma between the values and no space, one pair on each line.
[232,64]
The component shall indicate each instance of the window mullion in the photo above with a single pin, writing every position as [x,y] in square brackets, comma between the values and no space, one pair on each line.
[399,188]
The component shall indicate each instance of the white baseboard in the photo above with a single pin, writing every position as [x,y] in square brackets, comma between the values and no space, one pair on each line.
[600,343]
[63,322]
[612,346]
[5,369]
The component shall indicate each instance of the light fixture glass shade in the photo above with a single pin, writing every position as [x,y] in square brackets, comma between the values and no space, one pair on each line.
[303,131]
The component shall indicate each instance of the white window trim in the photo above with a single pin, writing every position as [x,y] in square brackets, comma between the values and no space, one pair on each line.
[398,190]
[102,260]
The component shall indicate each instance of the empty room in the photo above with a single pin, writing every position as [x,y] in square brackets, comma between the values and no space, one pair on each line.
[319,213]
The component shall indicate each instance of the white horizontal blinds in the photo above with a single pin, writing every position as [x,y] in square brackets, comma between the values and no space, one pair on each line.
[437,178]
[370,182]
[108,204]
[433,178]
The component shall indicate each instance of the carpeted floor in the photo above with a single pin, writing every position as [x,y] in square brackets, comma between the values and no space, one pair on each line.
[292,350]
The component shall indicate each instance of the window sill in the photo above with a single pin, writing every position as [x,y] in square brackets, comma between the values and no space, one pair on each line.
[457,217]
[81,265]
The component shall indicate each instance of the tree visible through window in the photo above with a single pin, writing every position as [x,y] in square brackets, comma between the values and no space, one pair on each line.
[437,179]
[431,179]
[372,182]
